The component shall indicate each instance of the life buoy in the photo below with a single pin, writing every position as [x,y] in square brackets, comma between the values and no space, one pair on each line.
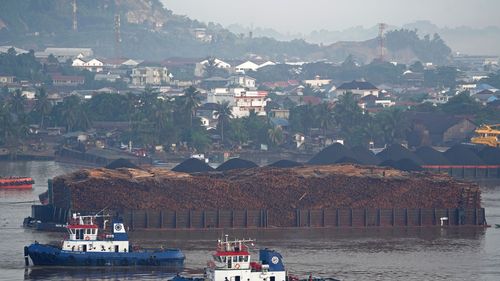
[87,237]
[237,266]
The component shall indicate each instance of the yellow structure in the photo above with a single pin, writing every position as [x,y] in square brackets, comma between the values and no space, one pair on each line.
[488,135]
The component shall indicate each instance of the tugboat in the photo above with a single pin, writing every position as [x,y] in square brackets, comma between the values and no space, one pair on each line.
[231,261]
[87,247]
[16,183]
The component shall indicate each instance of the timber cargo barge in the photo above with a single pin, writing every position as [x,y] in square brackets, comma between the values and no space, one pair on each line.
[310,196]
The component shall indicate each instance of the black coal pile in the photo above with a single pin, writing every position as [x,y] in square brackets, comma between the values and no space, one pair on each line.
[285,164]
[192,165]
[364,156]
[396,152]
[331,154]
[430,156]
[463,155]
[348,160]
[236,163]
[121,163]
[403,165]
[490,155]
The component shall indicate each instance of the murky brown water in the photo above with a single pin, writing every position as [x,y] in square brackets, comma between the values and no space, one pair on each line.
[348,254]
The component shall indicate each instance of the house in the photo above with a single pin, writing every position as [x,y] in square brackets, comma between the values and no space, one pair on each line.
[64,54]
[246,66]
[5,49]
[214,82]
[92,65]
[483,96]
[107,77]
[202,35]
[431,128]
[150,76]
[317,82]
[242,101]
[66,80]
[6,79]
[242,80]
[360,88]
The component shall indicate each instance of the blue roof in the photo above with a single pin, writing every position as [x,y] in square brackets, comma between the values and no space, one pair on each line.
[280,122]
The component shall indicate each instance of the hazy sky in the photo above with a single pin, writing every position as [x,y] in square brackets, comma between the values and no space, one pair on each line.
[307,15]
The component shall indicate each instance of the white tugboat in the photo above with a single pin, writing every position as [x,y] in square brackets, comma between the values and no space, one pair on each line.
[232,262]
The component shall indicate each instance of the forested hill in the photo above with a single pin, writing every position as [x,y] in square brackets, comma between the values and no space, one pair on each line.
[150,31]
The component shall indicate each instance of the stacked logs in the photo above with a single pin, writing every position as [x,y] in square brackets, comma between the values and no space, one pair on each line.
[278,190]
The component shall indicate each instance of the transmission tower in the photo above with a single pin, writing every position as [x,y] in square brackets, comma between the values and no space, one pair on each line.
[118,37]
[381,38]
[75,20]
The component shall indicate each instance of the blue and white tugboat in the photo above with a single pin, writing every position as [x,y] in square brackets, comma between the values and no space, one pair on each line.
[86,246]
[232,262]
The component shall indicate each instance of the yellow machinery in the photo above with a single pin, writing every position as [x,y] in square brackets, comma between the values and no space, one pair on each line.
[488,135]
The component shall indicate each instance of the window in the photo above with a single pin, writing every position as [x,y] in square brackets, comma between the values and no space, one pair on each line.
[235,258]
[245,258]
[240,258]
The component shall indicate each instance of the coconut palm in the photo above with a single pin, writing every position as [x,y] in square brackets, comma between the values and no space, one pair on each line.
[275,135]
[42,105]
[324,117]
[17,102]
[192,101]
[74,115]
[223,114]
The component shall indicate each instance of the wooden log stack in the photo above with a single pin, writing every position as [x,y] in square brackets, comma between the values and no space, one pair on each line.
[279,190]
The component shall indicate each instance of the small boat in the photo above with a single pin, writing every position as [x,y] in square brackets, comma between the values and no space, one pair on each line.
[16,183]
[232,261]
[86,246]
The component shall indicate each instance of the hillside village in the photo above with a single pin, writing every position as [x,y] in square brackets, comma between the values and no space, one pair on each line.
[237,106]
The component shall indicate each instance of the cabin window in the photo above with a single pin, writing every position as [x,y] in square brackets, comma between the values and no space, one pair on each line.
[245,258]
[235,258]
[240,258]
[223,259]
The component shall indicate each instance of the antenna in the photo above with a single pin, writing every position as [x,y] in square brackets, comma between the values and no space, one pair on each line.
[75,20]
[381,38]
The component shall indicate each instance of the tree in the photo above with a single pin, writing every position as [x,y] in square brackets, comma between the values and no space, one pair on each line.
[17,102]
[347,114]
[223,114]
[192,101]
[73,114]
[393,124]
[323,116]
[275,135]
[462,103]
[42,105]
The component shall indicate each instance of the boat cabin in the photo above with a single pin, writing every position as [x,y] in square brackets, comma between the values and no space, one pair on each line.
[84,236]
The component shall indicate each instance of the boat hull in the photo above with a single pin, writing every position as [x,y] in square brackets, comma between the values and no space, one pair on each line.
[47,255]
[16,183]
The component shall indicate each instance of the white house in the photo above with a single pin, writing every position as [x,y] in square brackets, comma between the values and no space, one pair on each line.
[242,81]
[217,63]
[267,63]
[241,100]
[92,65]
[247,66]
[150,76]
[63,54]
[317,82]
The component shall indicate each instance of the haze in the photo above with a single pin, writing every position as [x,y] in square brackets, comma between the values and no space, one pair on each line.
[306,16]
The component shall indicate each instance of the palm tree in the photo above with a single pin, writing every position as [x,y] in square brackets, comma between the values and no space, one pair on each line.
[393,124]
[192,101]
[42,105]
[74,114]
[324,117]
[17,102]
[275,135]
[162,116]
[223,114]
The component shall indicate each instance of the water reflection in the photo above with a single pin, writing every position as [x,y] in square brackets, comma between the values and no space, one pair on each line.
[93,273]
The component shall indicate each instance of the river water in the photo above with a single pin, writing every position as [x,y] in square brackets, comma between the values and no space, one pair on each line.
[348,254]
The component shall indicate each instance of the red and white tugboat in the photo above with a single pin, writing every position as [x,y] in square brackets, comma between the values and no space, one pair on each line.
[232,262]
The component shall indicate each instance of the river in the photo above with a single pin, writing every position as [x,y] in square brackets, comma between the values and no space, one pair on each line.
[348,254]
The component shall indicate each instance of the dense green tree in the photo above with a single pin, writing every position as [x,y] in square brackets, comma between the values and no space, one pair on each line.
[393,124]
[462,103]
[275,135]
[324,117]
[73,114]
[347,114]
[17,102]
